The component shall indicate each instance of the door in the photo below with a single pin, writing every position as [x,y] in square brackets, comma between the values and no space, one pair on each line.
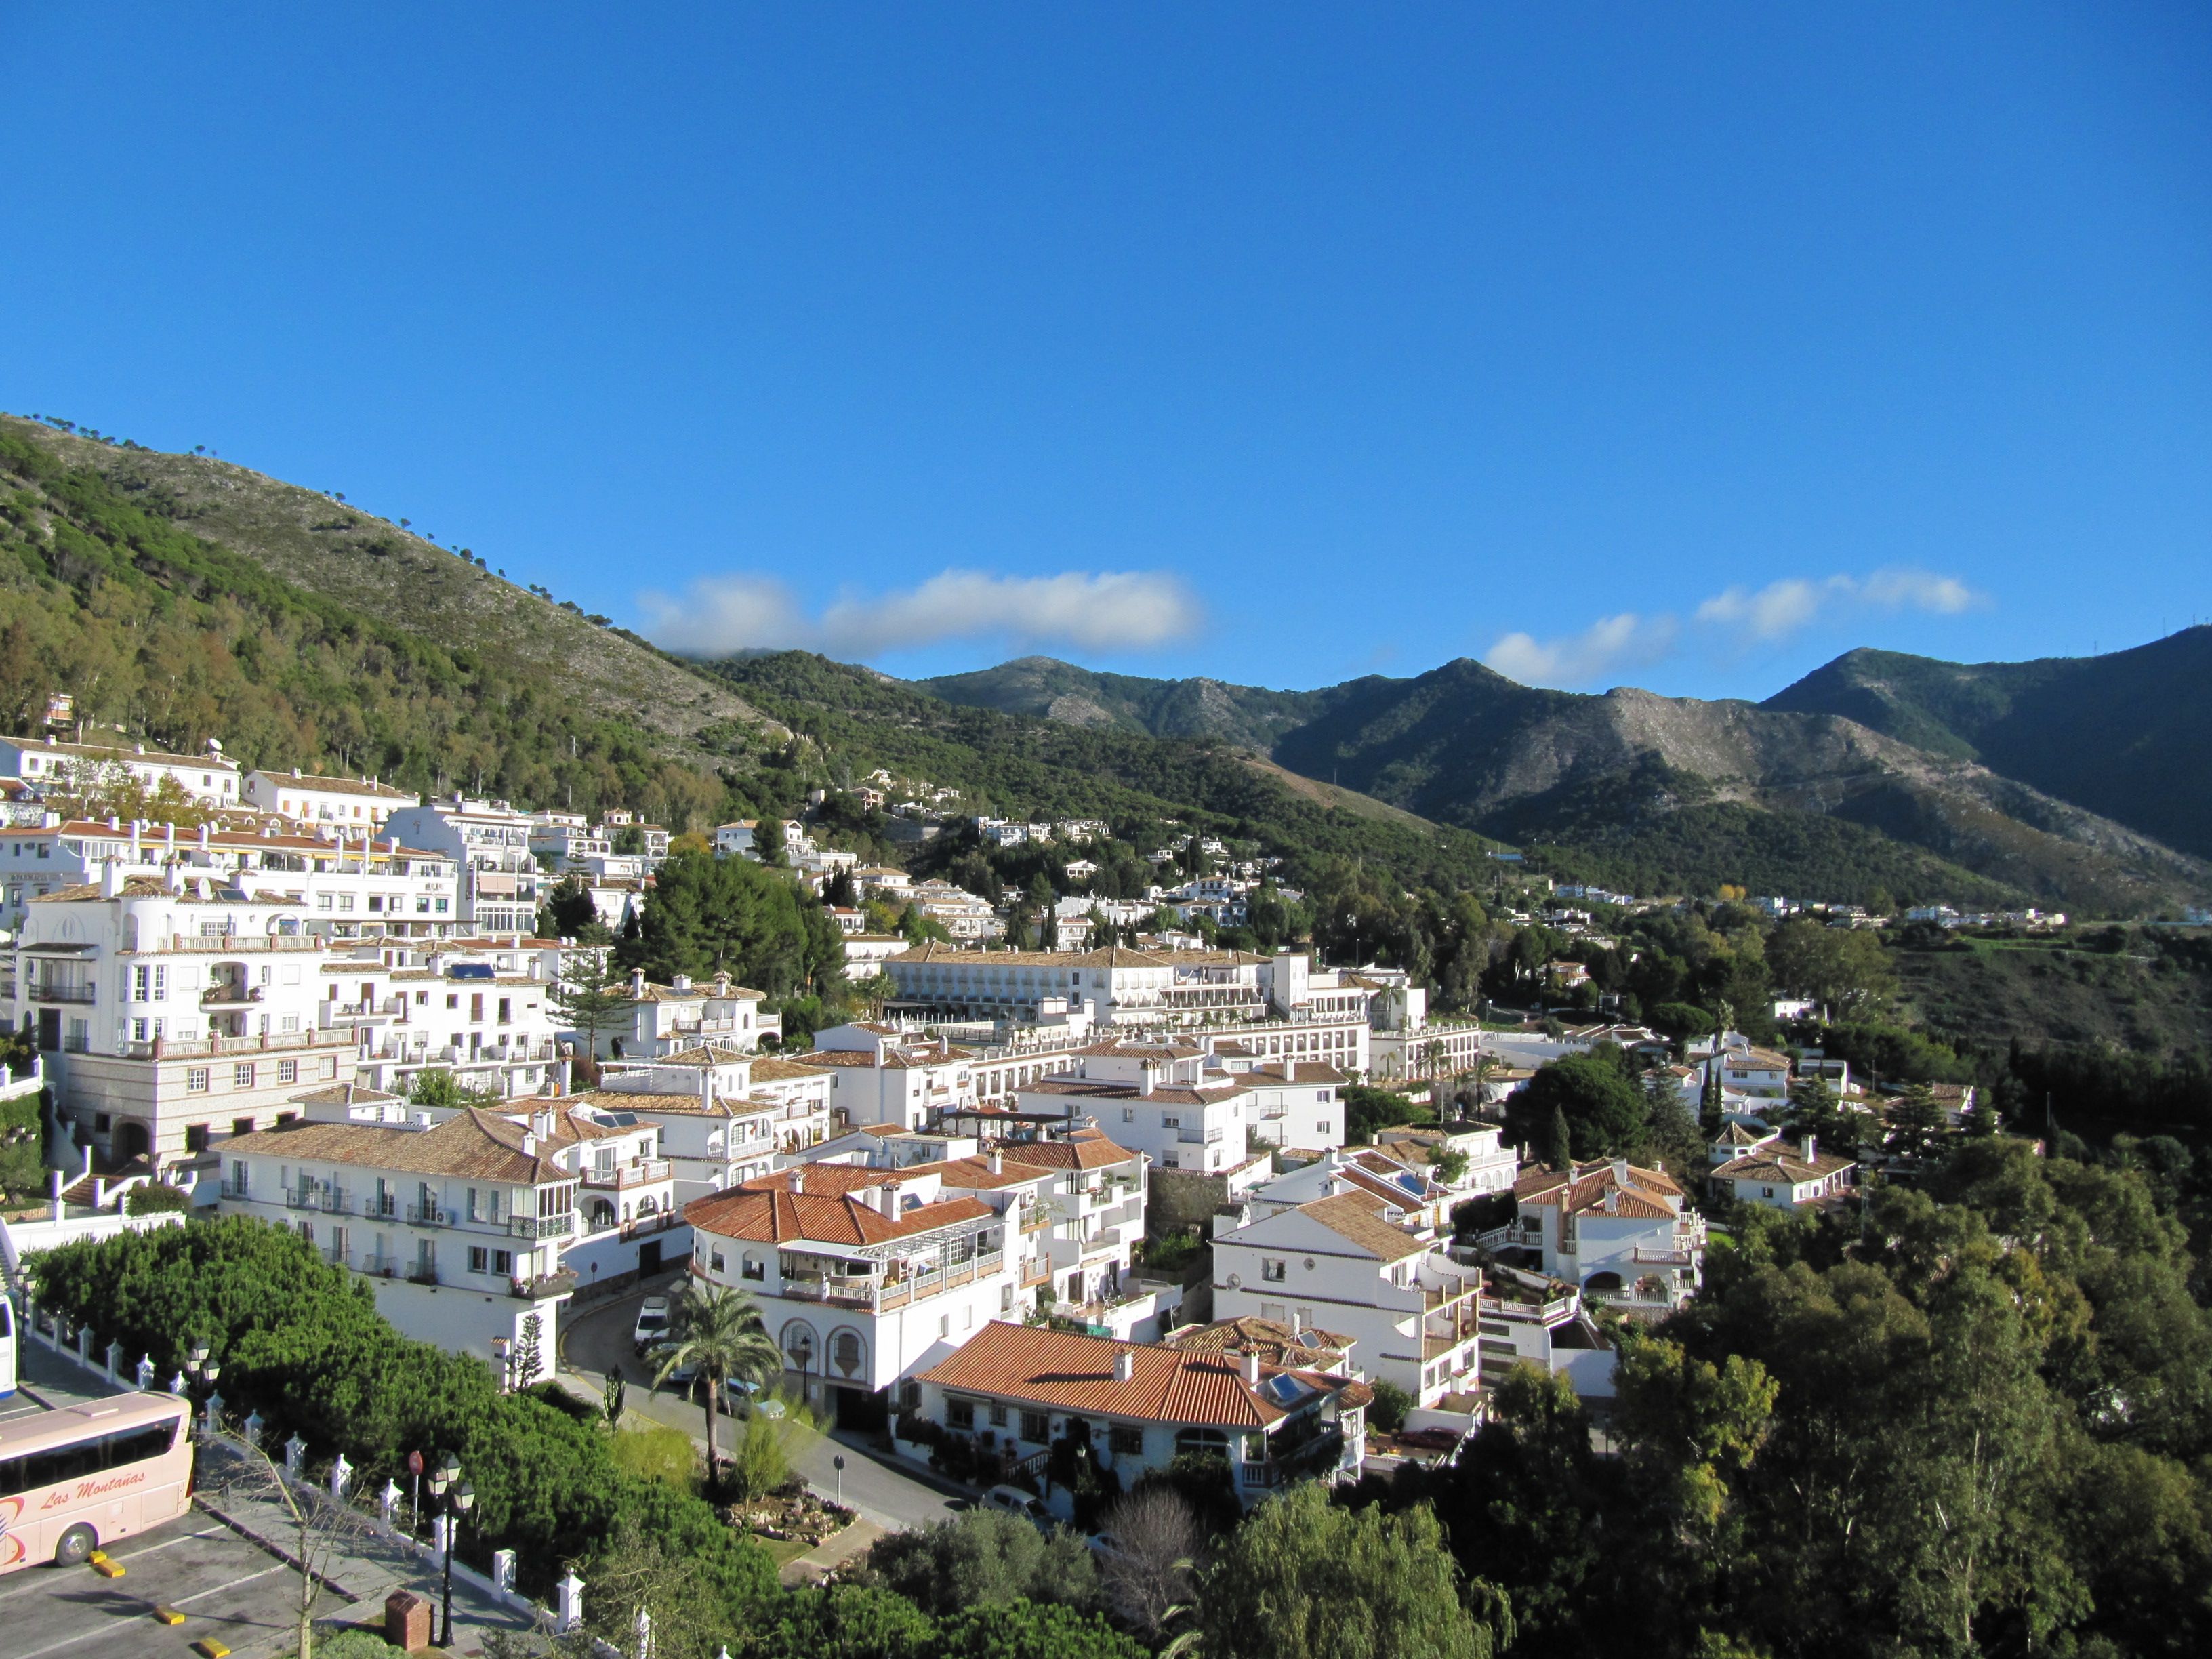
[50,1028]
[648,1258]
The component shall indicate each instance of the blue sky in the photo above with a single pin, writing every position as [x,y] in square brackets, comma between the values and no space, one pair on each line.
[1679,346]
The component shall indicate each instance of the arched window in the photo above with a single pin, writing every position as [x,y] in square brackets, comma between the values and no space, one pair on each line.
[848,1352]
[1605,1283]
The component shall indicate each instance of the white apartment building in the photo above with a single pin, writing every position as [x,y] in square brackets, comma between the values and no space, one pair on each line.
[354,886]
[1359,1264]
[1154,1098]
[665,1019]
[728,1115]
[474,1203]
[567,841]
[356,804]
[489,842]
[880,1075]
[864,1277]
[208,777]
[1116,985]
[169,1012]
[476,1008]
[967,916]
[1093,1219]
[1292,1102]
[1621,1233]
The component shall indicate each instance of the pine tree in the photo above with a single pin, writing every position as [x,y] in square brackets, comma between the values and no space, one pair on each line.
[1559,1152]
[591,994]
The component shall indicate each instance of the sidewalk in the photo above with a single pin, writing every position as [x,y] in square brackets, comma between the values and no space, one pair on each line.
[359,1565]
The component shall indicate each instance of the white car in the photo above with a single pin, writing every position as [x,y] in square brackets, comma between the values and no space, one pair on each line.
[1012,1500]
[652,1323]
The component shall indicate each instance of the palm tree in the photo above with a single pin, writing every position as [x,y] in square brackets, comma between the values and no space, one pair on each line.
[718,1333]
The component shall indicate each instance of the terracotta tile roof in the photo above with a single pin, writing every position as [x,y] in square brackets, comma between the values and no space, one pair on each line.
[344,1094]
[473,1144]
[1774,1164]
[337,786]
[1091,1151]
[974,1175]
[1644,1194]
[782,1218]
[1357,1217]
[623,1100]
[1071,1372]
[699,1054]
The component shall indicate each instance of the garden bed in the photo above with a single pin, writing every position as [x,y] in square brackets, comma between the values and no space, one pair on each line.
[793,1514]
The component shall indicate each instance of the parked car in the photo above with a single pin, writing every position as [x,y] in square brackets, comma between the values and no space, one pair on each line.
[652,1323]
[1012,1500]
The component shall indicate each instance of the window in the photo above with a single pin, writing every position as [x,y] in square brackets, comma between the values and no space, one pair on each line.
[57,1465]
[502,1261]
[241,1075]
[479,1258]
[960,1414]
[715,1262]
[196,1137]
[241,1126]
[1321,1126]
[1036,1426]
[1273,1271]
[330,1065]
[1129,1115]
[1126,1440]
[754,1267]
[287,1071]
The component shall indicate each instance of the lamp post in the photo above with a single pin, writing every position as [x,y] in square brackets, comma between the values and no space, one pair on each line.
[203,1368]
[456,1498]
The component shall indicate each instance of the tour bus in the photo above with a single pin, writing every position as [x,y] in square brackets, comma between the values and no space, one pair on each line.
[73,1480]
[7,1346]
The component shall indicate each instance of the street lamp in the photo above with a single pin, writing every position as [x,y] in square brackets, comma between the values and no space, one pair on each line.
[456,1498]
[202,1368]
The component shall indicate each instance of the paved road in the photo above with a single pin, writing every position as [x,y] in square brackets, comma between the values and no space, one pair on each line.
[886,1494]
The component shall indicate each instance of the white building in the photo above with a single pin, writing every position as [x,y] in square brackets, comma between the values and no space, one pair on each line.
[1784,1175]
[1154,1098]
[1016,1389]
[475,1203]
[167,1013]
[208,777]
[1358,1263]
[1118,985]
[1621,1233]
[863,1276]
[664,1019]
[354,803]
[489,842]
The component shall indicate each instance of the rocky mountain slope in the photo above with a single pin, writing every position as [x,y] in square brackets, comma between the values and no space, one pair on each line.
[2127,735]
[1642,782]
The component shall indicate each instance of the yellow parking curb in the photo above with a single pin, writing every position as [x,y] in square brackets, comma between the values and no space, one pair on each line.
[167,1616]
[208,1648]
[105,1568]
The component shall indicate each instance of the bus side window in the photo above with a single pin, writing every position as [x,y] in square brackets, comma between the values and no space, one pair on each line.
[7,1317]
[11,1474]
[139,1445]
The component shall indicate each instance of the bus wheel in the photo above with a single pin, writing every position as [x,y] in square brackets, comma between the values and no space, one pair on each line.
[77,1544]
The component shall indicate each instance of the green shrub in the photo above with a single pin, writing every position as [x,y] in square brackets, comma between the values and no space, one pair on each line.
[1388,1412]
[154,1198]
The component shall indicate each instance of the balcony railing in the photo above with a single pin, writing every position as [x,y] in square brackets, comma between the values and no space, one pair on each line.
[877,1297]
[638,1172]
[541,1226]
[336,1200]
[429,1215]
[236,1191]
[51,992]
[219,996]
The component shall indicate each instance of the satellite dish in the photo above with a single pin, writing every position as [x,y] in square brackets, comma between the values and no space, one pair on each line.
[1236,1281]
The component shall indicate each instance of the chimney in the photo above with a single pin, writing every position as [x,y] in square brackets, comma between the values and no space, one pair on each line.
[798,1179]
[1612,1200]
[1620,1170]
[111,878]
[1125,1366]
[1251,1370]
[637,982]
[295,771]
[997,1165]
[1297,1322]
[1805,1146]
[680,983]
[529,1145]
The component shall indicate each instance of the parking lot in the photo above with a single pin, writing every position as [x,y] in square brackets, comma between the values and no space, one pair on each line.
[226,1588]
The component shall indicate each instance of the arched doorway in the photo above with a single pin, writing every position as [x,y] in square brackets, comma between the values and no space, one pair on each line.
[131,1140]
[1605,1283]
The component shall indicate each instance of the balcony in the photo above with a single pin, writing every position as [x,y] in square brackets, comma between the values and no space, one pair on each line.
[429,1215]
[381,1207]
[380,1266]
[236,1192]
[50,990]
[1199,1137]
[230,996]
[335,1200]
[560,1282]
[878,1295]
[541,1226]
[638,1172]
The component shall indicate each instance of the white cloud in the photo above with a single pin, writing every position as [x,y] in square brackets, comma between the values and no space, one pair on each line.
[1610,642]
[1101,610]
[1743,615]
[1780,609]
